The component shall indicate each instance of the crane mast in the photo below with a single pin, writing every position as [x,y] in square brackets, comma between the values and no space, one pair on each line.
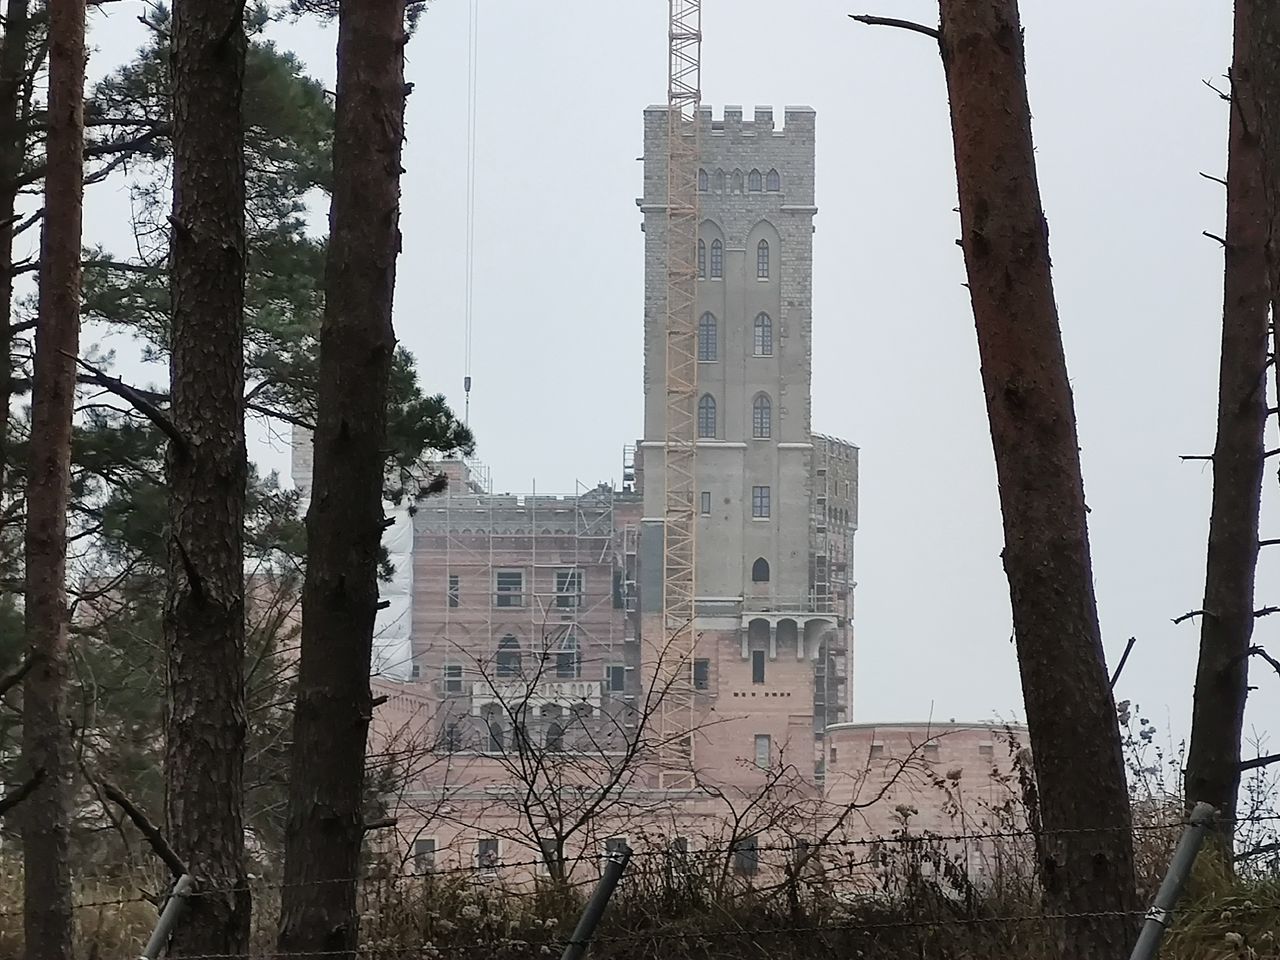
[674,670]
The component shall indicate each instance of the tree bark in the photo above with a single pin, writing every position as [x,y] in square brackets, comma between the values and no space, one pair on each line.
[207,473]
[1226,629]
[46,739]
[1087,856]
[344,522]
[13,146]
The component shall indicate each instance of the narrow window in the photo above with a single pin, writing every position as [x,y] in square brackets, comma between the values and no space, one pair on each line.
[762,260]
[707,418]
[705,503]
[702,181]
[760,571]
[773,182]
[679,846]
[877,750]
[569,658]
[453,678]
[497,735]
[762,345]
[451,739]
[737,181]
[702,674]
[707,340]
[616,677]
[746,856]
[719,181]
[761,418]
[930,752]
[509,588]
[760,503]
[555,736]
[764,751]
[987,751]
[424,854]
[487,854]
[550,855]
[757,666]
[717,260]
[455,590]
[702,259]
[755,182]
[568,588]
[509,657]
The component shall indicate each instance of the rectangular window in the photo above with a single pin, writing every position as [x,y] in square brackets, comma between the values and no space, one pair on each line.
[705,503]
[616,675]
[679,846]
[614,846]
[702,674]
[877,750]
[508,587]
[568,588]
[487,854]
[931,752]
[764,751]
[453,678]
[760,506]
[757,666]
[800,851]
[455,590]
[746,856]
[987,751]
[424,854]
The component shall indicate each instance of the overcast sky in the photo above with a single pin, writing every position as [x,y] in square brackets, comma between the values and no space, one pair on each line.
[1123,126]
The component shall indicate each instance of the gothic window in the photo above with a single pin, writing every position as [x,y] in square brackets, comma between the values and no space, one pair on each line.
[707,337]
[760,571]
[719,181]
[702,181]
[761,417]
[737,181]
[717,260]
[702,260]
[762,260]
[707,417]
[762,345]
[508,657]
[773,182]
[755,183]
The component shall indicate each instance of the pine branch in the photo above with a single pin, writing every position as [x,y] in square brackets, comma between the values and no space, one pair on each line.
[148,829]
[136,400]
[1258,762]
[14,676]
[894,22]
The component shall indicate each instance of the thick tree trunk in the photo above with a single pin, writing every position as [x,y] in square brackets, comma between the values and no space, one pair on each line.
[204,611]
[1087,861]
[46,740]
[1213,761]
[13,144]
[344,522]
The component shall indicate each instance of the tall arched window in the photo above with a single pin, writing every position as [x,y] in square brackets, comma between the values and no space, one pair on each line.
[755,183]
[737,181]
[773,182]
[717,260]
[719,181]
[508,657]
[760,571]
[761,417]
[762,260]
[762,345]
[702,181]
[569,658]
[493,721]
[707,417]
[707,346]
[702,260]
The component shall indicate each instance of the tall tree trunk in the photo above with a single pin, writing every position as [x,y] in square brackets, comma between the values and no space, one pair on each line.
[46,740]
[344,523]
[207,473]
[1213,761]
[1087,857]
[13,145]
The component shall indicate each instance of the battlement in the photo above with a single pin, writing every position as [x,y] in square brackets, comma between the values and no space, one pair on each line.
[798,123]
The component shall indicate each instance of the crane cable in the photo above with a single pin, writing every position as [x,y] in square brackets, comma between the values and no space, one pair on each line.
[473,32]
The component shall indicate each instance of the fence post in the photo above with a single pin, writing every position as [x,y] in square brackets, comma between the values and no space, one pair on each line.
[173,908]
[1175,878]
[576,948]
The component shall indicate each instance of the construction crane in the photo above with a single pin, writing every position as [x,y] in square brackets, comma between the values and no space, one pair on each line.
[674,671]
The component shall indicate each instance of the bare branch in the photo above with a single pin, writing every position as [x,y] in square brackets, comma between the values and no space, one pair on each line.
[11,800]
[1124,658]
[1255,763]
[14,676]
[1209,176]
[148,829]
[1214,236]
[894,22]
[135,399]
[1186,457]
[1189,615]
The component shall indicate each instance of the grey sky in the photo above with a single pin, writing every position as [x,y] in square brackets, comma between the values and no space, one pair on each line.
[1123,125]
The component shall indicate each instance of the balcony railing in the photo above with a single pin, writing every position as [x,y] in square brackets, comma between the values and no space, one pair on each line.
[564,693]
[813,604]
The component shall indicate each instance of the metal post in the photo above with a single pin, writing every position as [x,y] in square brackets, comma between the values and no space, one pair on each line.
[173,908]
[1175,878]
[576,948]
